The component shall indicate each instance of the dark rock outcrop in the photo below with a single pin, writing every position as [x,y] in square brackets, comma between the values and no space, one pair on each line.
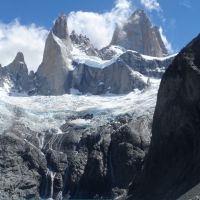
[94,171]
[78,164]
[22,168]
[139,35]
[172,165]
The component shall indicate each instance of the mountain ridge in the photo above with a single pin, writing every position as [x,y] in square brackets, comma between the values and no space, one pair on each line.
[67,56]
[80,127]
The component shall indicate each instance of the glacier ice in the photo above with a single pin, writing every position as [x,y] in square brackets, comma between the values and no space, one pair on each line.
[43,113]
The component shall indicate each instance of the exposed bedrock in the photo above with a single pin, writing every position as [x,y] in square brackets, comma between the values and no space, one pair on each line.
[140,35]
[171,168]
[79,163]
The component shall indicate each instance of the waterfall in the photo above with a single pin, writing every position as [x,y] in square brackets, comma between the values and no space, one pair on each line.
[40,138]
[50,174]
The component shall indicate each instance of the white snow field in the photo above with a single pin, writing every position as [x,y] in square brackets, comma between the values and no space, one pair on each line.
[96,62]
[93,61]
[41,113]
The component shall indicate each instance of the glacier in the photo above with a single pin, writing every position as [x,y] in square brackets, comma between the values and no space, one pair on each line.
[43,113]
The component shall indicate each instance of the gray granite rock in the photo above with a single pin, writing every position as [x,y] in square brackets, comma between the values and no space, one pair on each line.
[140,35]
[83,44]
[53,71]
[16,77]
[117,78]
[153,68]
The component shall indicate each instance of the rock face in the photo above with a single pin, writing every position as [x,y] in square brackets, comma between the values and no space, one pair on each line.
[117,78]
[122,76]
[52,73]
[75,164]
[16,76]
[153,68]
[22,168]
[172,165]
[60,28]
[139,35]
[55,76]
[83,44]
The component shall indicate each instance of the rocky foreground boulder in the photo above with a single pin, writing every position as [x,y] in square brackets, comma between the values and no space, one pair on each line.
[171,168]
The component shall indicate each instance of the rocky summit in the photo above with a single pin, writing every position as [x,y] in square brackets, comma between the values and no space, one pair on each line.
[140,35]
[15,76]
[53,71]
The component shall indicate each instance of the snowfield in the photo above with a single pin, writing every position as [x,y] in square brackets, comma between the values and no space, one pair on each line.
[42,113]
[93,61]
[96,62]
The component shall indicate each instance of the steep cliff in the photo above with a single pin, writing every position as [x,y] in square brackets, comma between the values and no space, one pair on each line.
[172,165]
[56,64]
[140,35]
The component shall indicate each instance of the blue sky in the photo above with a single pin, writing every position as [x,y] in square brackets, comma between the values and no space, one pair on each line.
[179,19]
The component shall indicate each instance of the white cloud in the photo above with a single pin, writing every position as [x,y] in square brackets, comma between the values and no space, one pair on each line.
[15,37]
[166,42]
[151,5]
[100,27]
[122,4]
